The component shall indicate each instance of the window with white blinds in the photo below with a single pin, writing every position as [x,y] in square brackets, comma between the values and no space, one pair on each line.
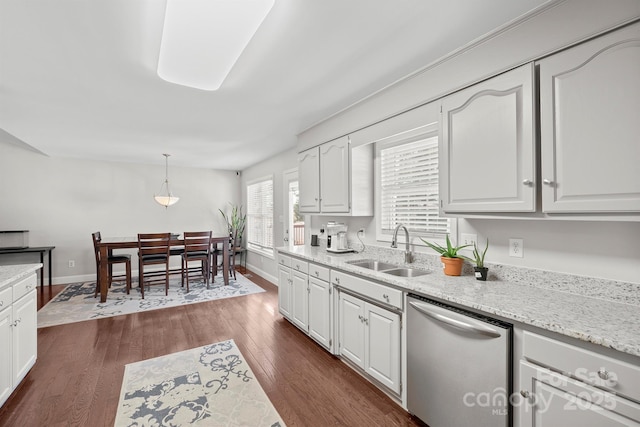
[408,186]
[260,216]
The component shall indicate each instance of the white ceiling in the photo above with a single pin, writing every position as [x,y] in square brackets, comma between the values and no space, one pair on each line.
[78,78]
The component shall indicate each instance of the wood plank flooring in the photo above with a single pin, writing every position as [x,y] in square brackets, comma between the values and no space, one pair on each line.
[77,378]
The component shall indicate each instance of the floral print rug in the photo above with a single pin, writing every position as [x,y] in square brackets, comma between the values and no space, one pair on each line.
[206,386]
[76,302]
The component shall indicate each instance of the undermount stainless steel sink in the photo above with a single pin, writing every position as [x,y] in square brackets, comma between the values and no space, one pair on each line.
[388,268]
[406,272]
[373,264]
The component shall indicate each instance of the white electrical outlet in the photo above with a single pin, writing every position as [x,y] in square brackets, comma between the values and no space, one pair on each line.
[469,239]
[516,248]
[72,263]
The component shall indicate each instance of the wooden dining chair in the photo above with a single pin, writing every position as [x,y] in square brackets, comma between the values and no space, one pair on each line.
[153,249]
[197,247]
[232,257]
[111,260]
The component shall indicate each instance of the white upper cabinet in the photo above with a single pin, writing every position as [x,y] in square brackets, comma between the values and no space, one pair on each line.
[309,180]
[487,149]
[335,178]
[590,126]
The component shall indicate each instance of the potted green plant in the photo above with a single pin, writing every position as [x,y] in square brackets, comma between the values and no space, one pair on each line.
[478,259]
[236,222]
[451,260]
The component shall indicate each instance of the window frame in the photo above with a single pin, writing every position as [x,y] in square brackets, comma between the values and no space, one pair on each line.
[423,132]
[253,247]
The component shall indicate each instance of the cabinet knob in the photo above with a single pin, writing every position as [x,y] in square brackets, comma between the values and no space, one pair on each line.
[317,273]
[360,317]
[547,182]
[603,374]
[525,394]
[1,303]
[338,280]
[527,182]
[385,296]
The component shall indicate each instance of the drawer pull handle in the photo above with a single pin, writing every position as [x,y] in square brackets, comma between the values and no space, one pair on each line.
[385,296]
[360,317]
[1,303]
[525,394]
[317,273]
[338,280]
[603,374]
[297,266]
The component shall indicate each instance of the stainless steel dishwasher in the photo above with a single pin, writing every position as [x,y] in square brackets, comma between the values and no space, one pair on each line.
[458,366]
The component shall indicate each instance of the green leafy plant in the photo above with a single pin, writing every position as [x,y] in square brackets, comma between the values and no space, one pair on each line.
[449,251]
[236,221]
[478,257]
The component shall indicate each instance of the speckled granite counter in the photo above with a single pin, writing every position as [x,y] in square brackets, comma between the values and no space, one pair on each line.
[574,306]
[9,273]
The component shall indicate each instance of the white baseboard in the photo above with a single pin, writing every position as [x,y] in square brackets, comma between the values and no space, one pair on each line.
[263,274]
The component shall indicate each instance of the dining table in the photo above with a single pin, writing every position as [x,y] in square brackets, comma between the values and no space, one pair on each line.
[109,244]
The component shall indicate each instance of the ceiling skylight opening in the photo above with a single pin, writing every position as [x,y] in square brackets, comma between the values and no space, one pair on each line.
[203,39]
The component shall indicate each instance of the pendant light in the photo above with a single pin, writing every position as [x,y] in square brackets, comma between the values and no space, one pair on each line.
[166,199]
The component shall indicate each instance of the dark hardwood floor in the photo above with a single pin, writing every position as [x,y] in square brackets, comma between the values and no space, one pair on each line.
[77,378]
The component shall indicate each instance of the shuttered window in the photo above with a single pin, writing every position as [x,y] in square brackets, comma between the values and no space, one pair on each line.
[260,216]
[408,186]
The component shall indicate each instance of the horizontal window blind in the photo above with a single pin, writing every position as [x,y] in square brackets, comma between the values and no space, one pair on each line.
[260,215]
[409,187]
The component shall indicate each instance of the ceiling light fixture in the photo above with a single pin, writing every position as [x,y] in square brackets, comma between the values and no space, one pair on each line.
[203,39]
[166,199]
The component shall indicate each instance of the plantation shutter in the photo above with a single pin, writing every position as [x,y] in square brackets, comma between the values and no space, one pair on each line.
[409,187]
[260,215]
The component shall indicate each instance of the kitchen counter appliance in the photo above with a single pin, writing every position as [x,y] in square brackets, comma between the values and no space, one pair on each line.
[337,238]
[459,369]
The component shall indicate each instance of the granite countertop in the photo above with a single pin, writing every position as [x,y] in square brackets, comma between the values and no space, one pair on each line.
[572,311]
[9,273]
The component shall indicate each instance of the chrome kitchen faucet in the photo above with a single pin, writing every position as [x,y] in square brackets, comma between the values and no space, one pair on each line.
[407,253]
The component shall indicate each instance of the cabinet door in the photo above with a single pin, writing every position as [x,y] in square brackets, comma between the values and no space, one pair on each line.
[320,311]
[25,335]
[284,291]
[309,180]
[334,176]
[6,377]
[589,105]
[555,400]
[351,318]
[382,346]
[300,301]
[487,148]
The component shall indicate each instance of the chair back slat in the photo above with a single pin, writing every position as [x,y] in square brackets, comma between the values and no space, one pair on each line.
[197,241]
[154,244]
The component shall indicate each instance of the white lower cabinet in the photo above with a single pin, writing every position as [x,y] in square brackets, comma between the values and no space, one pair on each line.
[370,338]
[300,301]
[304,298]
[563,385]
[285,291]
[18,333]
[320,311]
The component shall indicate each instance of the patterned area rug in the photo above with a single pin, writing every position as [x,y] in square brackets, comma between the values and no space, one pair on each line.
[76,302]
[206,386]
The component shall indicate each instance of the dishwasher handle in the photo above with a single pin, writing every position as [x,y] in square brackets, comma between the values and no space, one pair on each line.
[430,310]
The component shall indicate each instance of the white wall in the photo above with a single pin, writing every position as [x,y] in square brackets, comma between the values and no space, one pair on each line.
[275,166]
[62,201]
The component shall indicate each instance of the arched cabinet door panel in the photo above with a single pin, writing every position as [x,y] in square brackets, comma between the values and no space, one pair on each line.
[590,125]
[487,149]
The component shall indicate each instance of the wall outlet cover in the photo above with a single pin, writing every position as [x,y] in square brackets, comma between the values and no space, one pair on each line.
[516,248]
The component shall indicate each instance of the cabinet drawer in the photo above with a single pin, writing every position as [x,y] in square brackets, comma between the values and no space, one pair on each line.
[603,371]
[284,260]
[5,298]
[319,272]
[24,286]
[375,291]
[299,265]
